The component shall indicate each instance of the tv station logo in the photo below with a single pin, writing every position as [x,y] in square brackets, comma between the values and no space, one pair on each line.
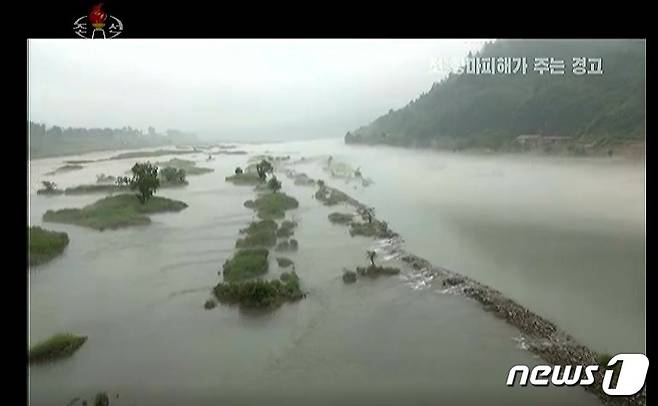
[97,24]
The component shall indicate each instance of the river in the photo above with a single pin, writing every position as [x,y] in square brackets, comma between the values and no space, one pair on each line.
[563,237]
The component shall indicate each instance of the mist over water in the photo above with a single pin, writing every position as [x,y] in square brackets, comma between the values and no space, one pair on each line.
[563,237]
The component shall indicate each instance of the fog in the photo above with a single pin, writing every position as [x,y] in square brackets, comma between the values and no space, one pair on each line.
[237,89]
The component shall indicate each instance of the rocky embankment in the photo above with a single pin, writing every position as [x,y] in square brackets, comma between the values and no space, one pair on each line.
[539,335]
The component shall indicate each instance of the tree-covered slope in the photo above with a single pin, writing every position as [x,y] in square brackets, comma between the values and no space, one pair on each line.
[467,110]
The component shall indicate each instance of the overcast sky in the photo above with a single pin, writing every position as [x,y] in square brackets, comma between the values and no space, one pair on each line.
[233,89]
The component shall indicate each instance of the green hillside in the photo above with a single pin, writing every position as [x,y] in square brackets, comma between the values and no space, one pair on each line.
[490,111]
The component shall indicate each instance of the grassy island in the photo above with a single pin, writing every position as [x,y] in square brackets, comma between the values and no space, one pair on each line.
[45,245]
[286,229]
[114,212]
[260,294]
[284,262]
[189,167]
[246,264]
[341,218]
[287,245]
[244,178]
[272,205]
[364,229]
[56,347]
[258,234]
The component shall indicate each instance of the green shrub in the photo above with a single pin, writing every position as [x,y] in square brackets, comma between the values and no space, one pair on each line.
[259,293]
[374,271]
[45,245]
[56,347]
[272,205]
[284,262]
[286,229]
[246,264]
[340,218]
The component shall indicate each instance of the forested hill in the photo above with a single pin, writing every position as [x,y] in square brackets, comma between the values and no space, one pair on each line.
[491,111]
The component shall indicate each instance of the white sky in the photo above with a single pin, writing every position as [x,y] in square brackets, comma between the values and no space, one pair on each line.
[239,89]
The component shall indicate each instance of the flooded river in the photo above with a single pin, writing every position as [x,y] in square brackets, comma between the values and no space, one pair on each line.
[563,237]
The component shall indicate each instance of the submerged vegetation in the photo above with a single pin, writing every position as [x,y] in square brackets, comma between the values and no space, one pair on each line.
[56,347]
[243,178]
[260,294]
[242,283]
[340,218]
[150,154]
[286,229]
[247,263]
[284,262]
[114,212]
[45,245]
[287,245]
[272,205]
[349,276]
[374,271]
[65,168]
[258,234]
[189,167]
[363,229]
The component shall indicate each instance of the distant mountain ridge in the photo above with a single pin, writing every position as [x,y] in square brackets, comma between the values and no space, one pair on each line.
[491,111]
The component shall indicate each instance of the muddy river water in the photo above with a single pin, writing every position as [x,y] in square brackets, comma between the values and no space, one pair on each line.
[563,237]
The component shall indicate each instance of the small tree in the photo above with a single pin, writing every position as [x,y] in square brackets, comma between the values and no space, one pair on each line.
[274,184]
[49,186]
[371,256]
[175,175]
[145,180]
[370,212]
[238,170]
[263,168]
[122,181]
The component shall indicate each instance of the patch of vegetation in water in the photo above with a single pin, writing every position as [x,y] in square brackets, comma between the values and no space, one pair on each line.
[65,168]
[79,161]
[245,178]
[56,347]
[272,205]
[102,399]
[258,234]
[247,263]
[284,262]
[364,229]
[45,245]
[331,197]
[260,294]
[303,180]
[114,212]
[149,154]
[374,271]
[286,229]
[103,178]
[189,167]
[349,276]
[341,218]
[210,304]
[49,188]
[95,188]
[287,245]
